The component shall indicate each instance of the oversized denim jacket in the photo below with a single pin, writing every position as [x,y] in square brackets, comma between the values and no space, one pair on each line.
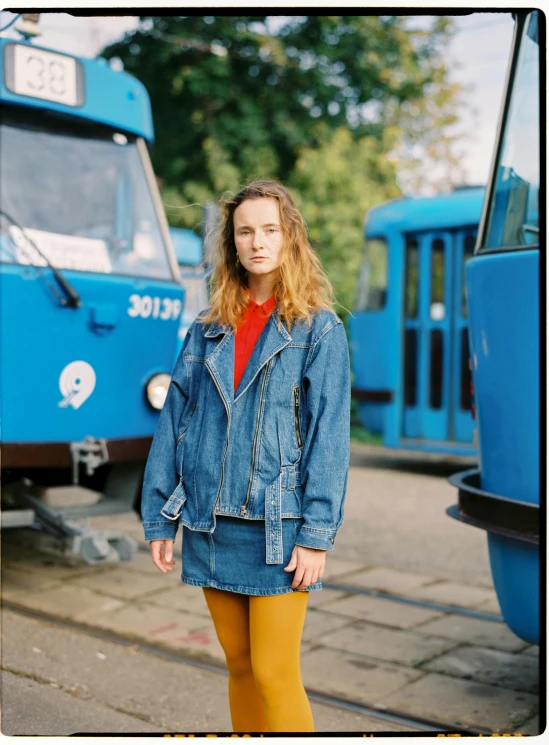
[278,447]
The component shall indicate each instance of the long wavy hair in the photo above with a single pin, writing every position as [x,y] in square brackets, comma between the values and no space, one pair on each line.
[301,286]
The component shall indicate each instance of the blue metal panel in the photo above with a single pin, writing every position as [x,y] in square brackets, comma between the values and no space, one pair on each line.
[429,430]
[187,246]
[503,292]
[122,351]
[369,348]
[410,214]
[411,412]
[370,353]
[462,420]
[503,300]
[515,571]
[112,98]
[424,420]
[449,429]
[435,425]
[393,331]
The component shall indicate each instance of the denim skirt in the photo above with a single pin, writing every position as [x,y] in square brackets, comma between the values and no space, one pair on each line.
[233,557]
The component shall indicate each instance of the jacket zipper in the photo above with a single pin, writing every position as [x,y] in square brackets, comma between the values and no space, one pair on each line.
[186,426]
[243,507]
[296,416]
[226,446]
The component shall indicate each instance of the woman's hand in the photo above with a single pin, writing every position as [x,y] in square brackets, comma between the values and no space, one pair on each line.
[162,554]
[308,564]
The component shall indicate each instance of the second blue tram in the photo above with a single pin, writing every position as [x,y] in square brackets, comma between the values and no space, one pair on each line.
[409,333]
[189,252]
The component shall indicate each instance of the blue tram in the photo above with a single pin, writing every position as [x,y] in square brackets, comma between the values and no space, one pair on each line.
[409,330]
[502,496]
[189,252]
[90,292]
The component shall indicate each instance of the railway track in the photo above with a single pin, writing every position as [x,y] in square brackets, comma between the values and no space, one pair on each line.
[390,715]
[456,610]
[353,589]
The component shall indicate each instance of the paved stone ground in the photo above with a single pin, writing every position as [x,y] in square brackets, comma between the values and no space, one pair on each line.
[444,666]
[378,651]
[60,682]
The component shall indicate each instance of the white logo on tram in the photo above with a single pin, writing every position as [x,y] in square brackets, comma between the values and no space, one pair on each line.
[76,383]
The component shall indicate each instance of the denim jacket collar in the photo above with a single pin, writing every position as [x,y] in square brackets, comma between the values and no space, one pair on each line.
[220,360]
[217,328]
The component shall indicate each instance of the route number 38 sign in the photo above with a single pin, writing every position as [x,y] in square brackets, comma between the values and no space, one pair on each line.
[31,71]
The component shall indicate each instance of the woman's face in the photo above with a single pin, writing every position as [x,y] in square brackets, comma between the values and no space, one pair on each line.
[258,235]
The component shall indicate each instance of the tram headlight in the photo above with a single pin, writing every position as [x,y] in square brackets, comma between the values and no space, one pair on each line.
[157,390]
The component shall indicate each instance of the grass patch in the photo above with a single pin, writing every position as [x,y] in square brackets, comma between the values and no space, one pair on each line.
[359,434]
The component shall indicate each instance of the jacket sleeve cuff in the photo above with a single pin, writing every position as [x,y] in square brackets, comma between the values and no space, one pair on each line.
[158,531]
[314,538]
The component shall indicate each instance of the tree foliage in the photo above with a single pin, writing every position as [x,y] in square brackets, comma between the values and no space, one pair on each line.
[344,109]
[335,183]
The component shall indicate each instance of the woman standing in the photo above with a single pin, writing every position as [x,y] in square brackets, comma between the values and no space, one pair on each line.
[251,452]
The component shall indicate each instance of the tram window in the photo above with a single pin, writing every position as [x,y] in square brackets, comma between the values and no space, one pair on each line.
[465,373]
[468,250]
[80,191]
[513,217]
[412,278]
[372,284]
[437,310]
[410,367]
[435,382]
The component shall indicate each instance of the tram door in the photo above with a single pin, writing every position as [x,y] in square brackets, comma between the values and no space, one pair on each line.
[436,394]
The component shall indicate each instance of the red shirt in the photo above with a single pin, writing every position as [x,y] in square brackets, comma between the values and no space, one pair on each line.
[248,333]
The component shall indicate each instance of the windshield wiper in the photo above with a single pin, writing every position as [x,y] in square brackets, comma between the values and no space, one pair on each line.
[72,298]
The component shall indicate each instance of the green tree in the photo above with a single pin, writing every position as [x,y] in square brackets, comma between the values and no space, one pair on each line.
[345,109]
[229,89]
[335,184]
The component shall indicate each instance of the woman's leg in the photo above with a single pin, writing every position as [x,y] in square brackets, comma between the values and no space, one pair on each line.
[276,626]
[230,614]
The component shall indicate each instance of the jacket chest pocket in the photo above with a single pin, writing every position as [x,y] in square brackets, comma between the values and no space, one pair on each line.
[296,405]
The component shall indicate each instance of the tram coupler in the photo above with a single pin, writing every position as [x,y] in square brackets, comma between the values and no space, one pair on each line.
[91,453]
[91,545]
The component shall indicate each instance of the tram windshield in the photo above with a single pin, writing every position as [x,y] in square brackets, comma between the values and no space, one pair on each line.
[80,194]
[513,215]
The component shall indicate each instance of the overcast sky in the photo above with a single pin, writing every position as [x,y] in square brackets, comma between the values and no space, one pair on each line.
[477,57]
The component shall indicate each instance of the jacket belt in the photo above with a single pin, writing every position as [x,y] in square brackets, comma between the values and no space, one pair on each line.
[273,513]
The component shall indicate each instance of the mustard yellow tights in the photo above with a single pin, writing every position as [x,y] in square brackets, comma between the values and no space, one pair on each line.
[261,638]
